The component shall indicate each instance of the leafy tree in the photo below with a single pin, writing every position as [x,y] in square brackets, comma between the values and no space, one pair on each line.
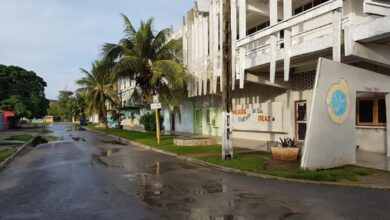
[55,110]
[65,100]
[61,109]
[15,104]
[149,59]
[99,89]
[22,91]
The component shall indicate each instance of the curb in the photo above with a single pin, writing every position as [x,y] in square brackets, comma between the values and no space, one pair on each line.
[4,164]
[240,172]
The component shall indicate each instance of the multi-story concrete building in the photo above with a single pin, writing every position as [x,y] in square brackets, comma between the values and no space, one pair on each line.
[130,106]
[276,48]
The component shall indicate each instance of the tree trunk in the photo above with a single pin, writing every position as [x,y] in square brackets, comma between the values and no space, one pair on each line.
[105,117]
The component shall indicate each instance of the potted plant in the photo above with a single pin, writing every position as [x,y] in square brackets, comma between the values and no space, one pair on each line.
[286,149]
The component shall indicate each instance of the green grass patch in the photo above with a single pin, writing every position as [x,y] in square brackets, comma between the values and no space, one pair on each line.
[251,162]
[4,154]
[166,142]
[350,173]
[22,137]
[256,163]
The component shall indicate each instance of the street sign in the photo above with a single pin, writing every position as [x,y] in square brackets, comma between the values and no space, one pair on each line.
[155,106]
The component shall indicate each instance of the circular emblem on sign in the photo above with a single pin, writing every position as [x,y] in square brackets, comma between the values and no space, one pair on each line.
[338,102]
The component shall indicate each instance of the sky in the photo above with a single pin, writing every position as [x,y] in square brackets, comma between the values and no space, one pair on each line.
[55,38]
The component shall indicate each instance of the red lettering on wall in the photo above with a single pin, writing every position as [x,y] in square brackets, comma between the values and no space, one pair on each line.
[264,118]
[239,112]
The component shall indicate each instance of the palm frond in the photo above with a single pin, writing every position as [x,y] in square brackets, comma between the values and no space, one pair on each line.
[128,66]
[129,28]
[173,72]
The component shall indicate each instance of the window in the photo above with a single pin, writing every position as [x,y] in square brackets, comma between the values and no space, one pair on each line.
[308,6]
[258,27]
[208,117]
[371,111]
[198,117]
[382,111]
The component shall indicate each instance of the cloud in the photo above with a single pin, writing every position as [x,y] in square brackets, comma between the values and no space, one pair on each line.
[56,38]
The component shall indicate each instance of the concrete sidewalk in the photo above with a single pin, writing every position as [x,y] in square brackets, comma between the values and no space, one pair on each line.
[372,160]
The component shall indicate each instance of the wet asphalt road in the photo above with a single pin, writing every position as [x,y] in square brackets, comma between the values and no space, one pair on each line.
[87,176]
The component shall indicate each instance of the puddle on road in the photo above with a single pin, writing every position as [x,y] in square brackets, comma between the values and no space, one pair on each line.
[96,158]
[76,128]
[39,140]
[202,213]
[109,152]
[250,196]
[151,194]
[164,167]
[113,142]
[211,188]
[78,138]
[104,153]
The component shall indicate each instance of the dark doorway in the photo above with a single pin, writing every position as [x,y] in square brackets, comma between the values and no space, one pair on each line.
[300,120]
[173,122]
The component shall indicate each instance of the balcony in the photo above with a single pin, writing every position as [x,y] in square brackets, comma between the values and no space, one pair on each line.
[311,31]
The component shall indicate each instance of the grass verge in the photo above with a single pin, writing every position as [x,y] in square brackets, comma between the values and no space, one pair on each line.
[166,143]
[257,163]
[22,137]
[4,154]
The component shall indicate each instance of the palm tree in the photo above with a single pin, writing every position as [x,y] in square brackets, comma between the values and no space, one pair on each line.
[149,59]
[99,89]
[78,107]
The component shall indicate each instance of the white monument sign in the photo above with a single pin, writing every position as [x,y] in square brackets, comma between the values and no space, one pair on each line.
[330,138]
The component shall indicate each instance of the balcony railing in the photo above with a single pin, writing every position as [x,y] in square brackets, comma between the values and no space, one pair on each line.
[311,24]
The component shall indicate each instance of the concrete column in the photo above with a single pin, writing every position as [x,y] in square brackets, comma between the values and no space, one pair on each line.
[215,44]
[220,41]
[287,13]
[337,35]
[242,17]
[205,43]
[234,39]
[273,12]
[211,44]
[388,123]
[273,17]
[185,46]
[273,56]
[242,66]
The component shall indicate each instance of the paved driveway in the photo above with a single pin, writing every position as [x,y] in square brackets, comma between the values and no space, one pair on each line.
[89,176]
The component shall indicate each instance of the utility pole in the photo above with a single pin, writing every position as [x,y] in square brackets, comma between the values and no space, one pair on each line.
[227,145]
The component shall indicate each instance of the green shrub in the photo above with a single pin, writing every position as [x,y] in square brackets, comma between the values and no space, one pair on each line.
[148,120]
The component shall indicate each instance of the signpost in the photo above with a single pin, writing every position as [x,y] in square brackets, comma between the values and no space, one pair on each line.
[156,105]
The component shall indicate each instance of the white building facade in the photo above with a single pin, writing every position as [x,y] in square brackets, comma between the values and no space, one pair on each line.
[276,48]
